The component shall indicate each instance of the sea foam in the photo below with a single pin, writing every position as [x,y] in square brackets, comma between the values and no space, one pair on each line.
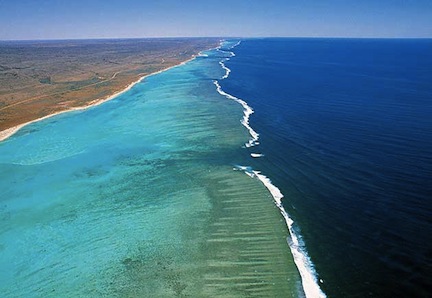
[227,70]
[300,256]
[247,112]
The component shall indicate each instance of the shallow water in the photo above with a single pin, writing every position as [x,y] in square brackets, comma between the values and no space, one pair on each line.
[138,197]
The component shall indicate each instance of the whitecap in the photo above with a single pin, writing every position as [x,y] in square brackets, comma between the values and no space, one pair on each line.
[301,258]
[227,70]
[247,170]
[247,110]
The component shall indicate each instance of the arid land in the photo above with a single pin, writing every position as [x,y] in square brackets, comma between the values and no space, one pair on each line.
[40,78]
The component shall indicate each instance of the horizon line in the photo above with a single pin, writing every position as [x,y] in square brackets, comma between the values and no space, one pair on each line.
[203,37]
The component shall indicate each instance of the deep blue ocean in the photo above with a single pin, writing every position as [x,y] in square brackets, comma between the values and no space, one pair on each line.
[346,129]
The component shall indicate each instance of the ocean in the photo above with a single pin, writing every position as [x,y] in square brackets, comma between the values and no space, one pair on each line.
[346,131]
[263,168]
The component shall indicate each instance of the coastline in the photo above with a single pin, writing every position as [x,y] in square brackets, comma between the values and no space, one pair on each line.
[5,134]
[129,149]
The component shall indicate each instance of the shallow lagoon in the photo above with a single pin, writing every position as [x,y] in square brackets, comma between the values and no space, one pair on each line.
[138,197]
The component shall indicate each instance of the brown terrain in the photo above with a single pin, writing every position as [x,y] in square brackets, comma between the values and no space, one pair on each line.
[40,78]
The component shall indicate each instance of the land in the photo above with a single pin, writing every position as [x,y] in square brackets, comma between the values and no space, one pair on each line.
[41,78]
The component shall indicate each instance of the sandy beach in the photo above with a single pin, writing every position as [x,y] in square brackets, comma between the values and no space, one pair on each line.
[41,79]
[4,134]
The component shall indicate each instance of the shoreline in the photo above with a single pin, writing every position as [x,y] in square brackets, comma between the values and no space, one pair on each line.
[7,133]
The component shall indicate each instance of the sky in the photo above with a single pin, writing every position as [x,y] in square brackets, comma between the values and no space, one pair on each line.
[71,19]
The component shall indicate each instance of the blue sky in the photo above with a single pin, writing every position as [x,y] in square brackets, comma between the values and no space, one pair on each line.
[56,19]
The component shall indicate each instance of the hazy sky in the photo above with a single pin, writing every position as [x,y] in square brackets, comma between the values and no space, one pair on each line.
[53,19]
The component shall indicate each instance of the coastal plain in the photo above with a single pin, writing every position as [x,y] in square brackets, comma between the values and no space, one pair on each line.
[40,78]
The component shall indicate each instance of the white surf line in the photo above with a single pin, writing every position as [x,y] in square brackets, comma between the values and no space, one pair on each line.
[247,109]
[226,52]
[232,54]
[227,70]
[232,47]
[301,259]
[300,256]
[247,112]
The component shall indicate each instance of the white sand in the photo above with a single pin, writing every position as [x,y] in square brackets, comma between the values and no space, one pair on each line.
[10,131]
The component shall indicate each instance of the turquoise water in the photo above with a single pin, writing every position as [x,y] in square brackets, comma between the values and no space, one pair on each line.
[138,198]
